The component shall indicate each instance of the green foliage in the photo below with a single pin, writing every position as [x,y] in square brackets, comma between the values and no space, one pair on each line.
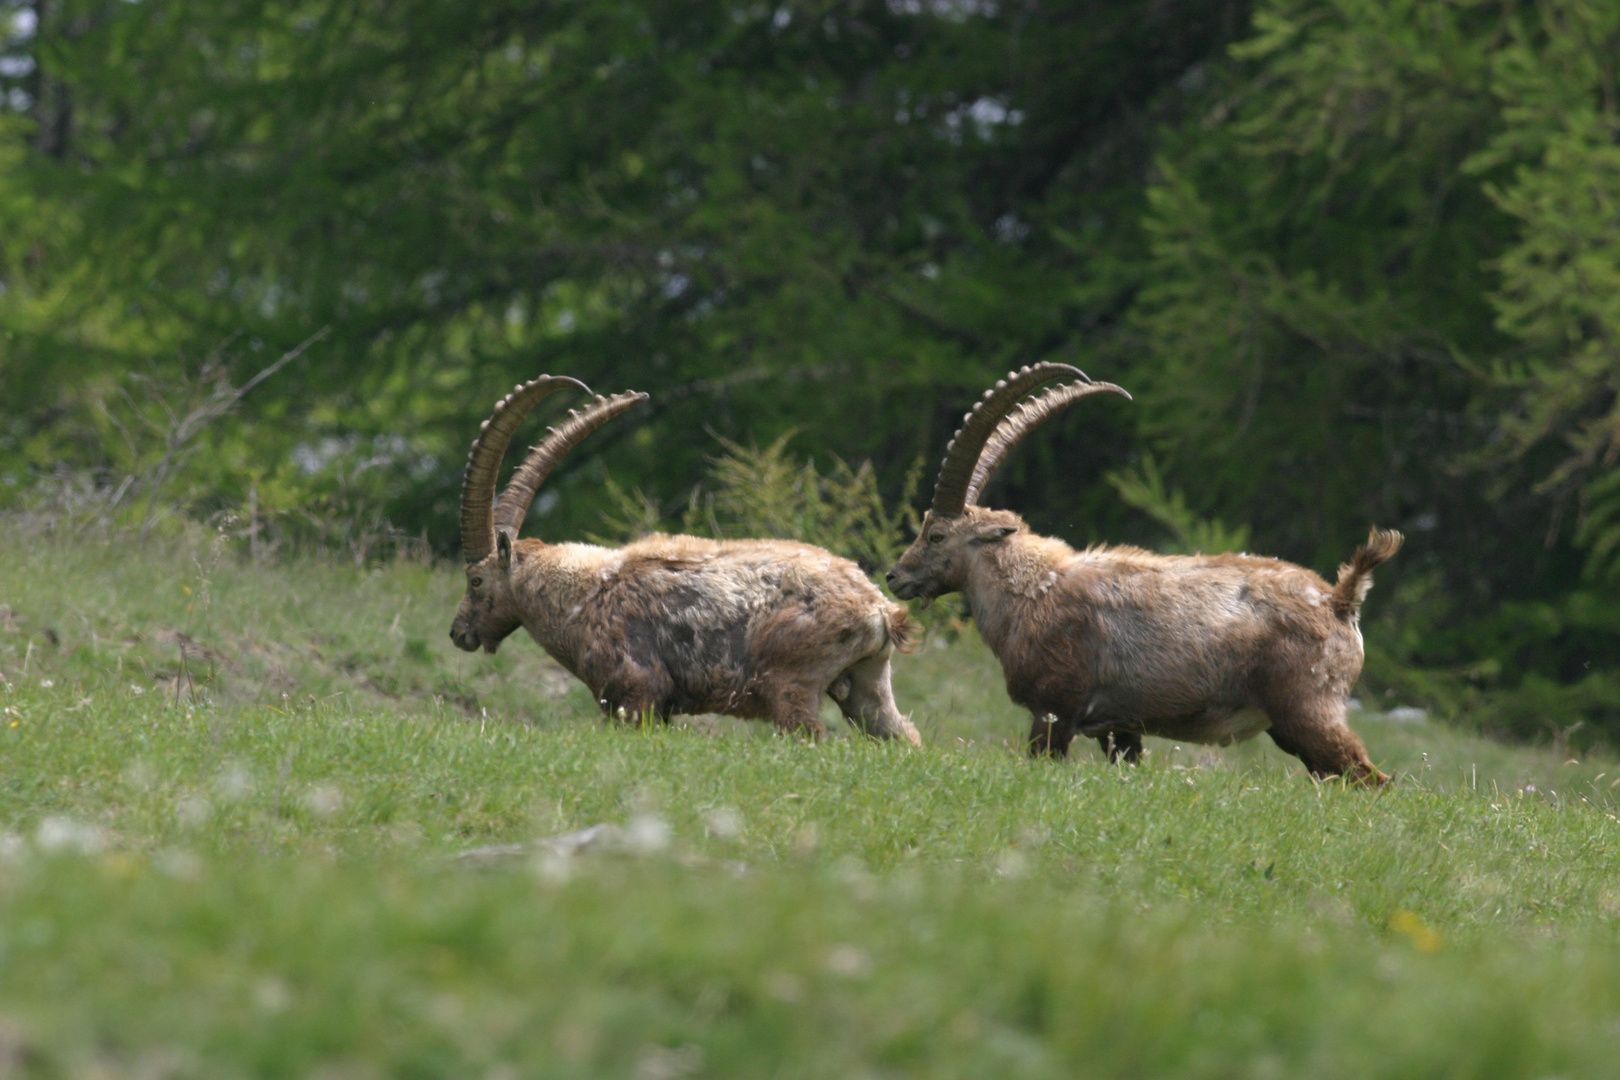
[768,220]
[768,493]
[1599,530]
[1519,672]
[1143,487]
[149,429]
[764,493]
[1560,280]
[1318,263]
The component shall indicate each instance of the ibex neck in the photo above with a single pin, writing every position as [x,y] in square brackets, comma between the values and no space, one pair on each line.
[551,583]
[1008,578]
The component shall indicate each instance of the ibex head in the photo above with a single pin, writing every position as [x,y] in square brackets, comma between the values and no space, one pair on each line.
[938,560]
[956,529]
[489,612]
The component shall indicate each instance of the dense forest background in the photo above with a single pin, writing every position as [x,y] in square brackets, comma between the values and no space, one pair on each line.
[1357,260]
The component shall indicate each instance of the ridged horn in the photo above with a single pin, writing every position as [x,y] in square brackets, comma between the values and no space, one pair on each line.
[950,490]
[1024,419]
[484,461]
[519,491]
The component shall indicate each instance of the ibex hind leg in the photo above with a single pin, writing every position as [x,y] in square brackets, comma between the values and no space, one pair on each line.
[1121,744]
[635,697]
[794,708]
[1050,736]
[1319,737]
[635,711]
[866,698]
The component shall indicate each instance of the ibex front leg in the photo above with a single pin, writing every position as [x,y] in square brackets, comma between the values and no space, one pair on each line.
[866,699]
[1050,736]
[1121,744]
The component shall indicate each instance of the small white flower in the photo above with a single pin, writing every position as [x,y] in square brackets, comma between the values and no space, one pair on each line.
[785,987]
[63,834]
[324,800]
[854,874]
[723,823]
[140,775]
[235,783]
[647,833]
[1012,864]
[662,1063]
[179,864]
[553,868]
[272,995]
[848,961]
[194,811]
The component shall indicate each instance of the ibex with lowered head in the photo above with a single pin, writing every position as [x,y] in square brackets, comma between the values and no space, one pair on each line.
[1115,642]
[672,624]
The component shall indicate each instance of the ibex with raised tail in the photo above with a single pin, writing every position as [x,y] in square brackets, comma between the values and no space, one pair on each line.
[1115,642]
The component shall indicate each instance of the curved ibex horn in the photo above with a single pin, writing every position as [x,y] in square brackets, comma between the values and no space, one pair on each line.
[519,491]
[484,461]
[950,490]
[1024,419]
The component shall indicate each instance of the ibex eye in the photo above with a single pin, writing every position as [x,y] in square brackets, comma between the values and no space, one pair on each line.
[477,581]
[937,538]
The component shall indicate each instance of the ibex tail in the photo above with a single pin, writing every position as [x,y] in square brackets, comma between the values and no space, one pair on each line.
[1355,576]
[902,631]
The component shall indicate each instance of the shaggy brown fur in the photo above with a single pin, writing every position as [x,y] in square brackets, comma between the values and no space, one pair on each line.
[1116,642]
[676,624]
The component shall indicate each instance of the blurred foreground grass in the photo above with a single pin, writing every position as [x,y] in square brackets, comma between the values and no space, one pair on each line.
[232,801]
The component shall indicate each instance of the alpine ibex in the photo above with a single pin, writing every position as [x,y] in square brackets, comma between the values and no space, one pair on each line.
[672,624]
[1116,642]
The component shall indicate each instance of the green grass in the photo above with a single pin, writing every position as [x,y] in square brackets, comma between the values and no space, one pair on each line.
[233,801]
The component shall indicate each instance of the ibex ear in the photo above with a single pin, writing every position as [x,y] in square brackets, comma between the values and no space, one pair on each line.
[503,548]
[989,534]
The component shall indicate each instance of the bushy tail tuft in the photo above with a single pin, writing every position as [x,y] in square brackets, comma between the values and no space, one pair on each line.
[901,629]
[1355,576]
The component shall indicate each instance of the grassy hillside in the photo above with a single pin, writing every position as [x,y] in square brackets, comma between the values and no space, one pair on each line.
[266,821]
